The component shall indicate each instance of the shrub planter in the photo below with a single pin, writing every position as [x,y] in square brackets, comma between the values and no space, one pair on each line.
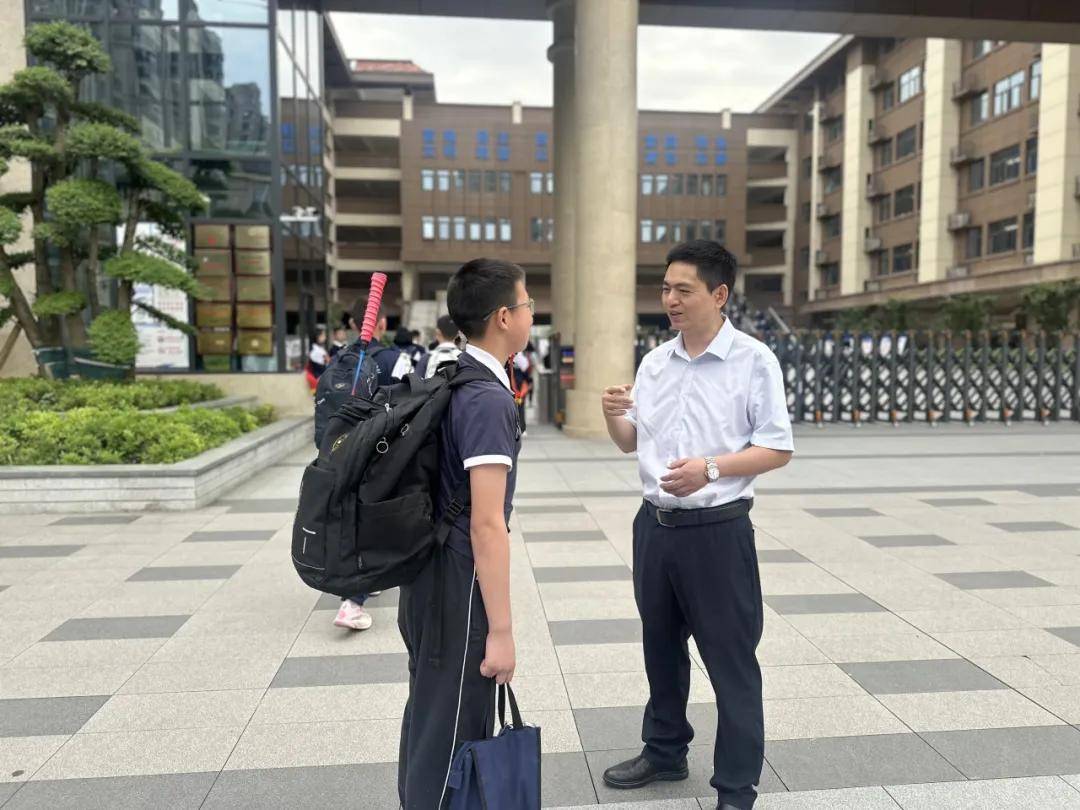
[189,484]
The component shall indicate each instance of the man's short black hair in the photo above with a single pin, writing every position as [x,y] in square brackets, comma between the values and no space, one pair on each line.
[356,311]
[446,326]
[403,336]
[715,264]
[479,288]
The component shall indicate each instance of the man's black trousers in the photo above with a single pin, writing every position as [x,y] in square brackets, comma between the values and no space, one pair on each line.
[702,581]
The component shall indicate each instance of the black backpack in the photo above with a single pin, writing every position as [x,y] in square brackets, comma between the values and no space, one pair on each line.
[334,388]
[365,521]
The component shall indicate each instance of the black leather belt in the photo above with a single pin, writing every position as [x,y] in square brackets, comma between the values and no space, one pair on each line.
[674,518]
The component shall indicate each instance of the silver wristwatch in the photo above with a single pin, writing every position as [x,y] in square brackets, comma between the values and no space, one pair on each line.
[712,469]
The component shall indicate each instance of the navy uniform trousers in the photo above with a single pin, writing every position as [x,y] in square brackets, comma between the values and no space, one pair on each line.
[702,581]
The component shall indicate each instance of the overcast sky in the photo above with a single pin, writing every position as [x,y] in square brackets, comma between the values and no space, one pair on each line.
[499,61]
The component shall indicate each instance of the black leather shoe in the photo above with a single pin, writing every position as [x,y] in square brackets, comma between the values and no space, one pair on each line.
[638,772]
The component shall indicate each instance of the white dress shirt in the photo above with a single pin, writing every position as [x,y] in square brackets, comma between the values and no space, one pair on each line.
[725,400]
[488,359]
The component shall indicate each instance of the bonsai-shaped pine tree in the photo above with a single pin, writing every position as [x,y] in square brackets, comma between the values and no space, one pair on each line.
[89,173]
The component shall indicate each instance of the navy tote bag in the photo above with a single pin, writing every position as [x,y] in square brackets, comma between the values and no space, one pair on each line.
[502,773]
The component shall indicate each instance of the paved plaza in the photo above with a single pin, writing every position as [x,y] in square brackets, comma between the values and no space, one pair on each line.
[921,647]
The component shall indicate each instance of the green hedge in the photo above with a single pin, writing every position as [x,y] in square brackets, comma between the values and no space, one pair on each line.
[62,395]
[96,435]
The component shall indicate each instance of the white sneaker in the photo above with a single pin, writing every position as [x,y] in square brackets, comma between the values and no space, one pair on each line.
[352,616]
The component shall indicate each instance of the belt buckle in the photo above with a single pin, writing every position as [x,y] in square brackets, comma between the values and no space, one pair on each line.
[660,518]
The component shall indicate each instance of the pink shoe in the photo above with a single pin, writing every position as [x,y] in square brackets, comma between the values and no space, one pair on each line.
[352,616]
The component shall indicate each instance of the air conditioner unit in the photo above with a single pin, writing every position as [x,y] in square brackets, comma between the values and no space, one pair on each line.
[822,210]
[875,188]
[872,244]
[879,79]
[872,285]
[966,88]
[959,220]
[1031,201]
[821,257]
[959,155]
[959,271]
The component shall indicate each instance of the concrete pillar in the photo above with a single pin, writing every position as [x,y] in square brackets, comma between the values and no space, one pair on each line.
[814,274]
[789,140]
[407,107]
[561,55]
[858,162]
[606,134]
[941,131]
[515,113]
[1057,224]
[410,284]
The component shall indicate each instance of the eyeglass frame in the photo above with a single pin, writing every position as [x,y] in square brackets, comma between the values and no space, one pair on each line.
[530,303]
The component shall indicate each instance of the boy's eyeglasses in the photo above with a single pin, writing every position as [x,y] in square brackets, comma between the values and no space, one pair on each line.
[531,304]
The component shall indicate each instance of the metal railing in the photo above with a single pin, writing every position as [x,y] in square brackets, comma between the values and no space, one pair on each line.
[930,377]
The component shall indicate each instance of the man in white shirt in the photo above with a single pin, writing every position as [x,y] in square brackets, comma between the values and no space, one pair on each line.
[706,415]
[447,351]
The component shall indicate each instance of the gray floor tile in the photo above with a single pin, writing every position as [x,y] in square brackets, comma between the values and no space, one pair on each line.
[629,492]
[351,787]
[117,627]
[7,790]
[385,599]
[908,677]
[583,573]
[845,512]
[975,580]
[338,670]
[994,753]
[906,540]
[823,603]
[611,729]
[600,631]
[563,537]
[38,551]
[171,573]
[44,717]
[565,780]
[780,555]
[957,502]
[836,762]
[1031,793]
[571,508]
[1070,634]
[95,520]
[259,506]
[170,790]
[248,535]
[1024,526]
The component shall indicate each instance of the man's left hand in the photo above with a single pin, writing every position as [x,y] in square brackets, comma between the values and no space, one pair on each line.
[687,476]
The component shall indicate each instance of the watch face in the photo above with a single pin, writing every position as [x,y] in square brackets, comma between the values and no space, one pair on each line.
[713,474]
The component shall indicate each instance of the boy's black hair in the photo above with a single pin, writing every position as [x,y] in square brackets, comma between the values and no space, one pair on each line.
[715,264]
[478,289]
[403,336]
[446,326]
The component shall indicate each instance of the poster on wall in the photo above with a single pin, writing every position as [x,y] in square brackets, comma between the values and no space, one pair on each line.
[160,347]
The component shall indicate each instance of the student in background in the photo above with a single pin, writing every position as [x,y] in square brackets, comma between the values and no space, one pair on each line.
[445,349]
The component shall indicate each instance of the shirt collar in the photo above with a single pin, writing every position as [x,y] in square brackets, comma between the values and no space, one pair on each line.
[489,361]
[718,347]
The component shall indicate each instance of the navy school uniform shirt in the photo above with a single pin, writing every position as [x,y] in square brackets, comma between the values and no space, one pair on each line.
[481,427]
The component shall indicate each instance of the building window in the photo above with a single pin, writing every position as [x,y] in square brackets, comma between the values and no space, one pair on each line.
[1007,93]
[550,182]
[973,243]
[884,208]
[449,143]
[721,231]
[981,47]
[504,182]
[1031,156]
[807,168]
[458,176]
[646,185]
[691,185]
[806,212]
[834,178]
[904,201]
[475,180]
[721,185]
[660,231]
[661,186]
[808,123]
[427,179]
[505,230]
[536,229]
[977,174]
[459,229]
[444,179]
[491,182]
[906,143]
[832,227]
[902,258]
[835,130]
[676,184]
[691,231]
[536,182]
[489,229]
[541,147]
[888,96]
[910,83]
[1035,87]
[427,227]
[885,153]
[646,230]
[1001,236]
[830,275]
[980,108]
[1028,235]
[482,145]
[474,230]
[549,234]
[428,139]
[676,231]
[444,229]
[1005,165]
[705,229]
[706,185]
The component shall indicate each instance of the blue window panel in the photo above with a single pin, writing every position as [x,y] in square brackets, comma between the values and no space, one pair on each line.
[701,159]
[504,139]
[502,153]
[541,139]
[671,142]
[542,154]
[429,136]
[429,150]
[701,142]
[288,139]
[450,135]
[650,158]
[482,136]
[670,158]
[315,139]
[650,141]
[721,158]
[721,143]
[449,149]
[482,152]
